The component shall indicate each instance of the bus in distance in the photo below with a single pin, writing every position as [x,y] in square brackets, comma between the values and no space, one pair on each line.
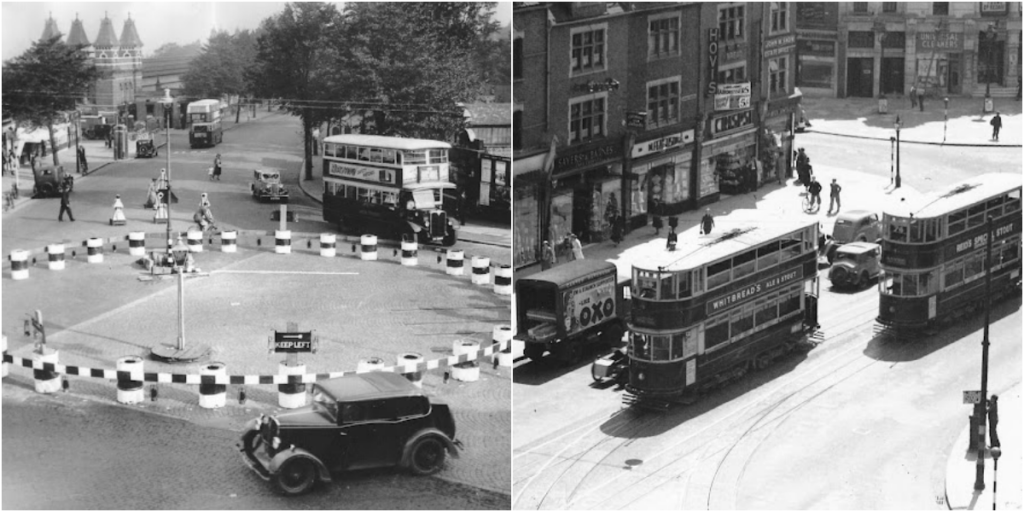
[389,186]
[204,123]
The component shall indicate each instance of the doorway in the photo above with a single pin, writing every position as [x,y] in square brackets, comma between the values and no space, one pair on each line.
[582,203]
[892,75]
[859,76]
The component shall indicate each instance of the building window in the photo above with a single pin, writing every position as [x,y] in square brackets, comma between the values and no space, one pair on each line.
[861,39]
[517,130]
[895,40]
[940,8]
[888,6]
[663,35]
[778,73]
[860,7]
[588,49]
[517,58]
[733,75]
[730,23]
[780,15]
[586,119]
[663,102]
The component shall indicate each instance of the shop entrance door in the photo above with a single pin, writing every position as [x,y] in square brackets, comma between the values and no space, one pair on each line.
[859,76]
[582,203]
[892,75]
[953,74]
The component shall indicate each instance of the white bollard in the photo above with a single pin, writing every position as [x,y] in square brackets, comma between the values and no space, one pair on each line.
[19,264]
[94,250]
[129,390]
[368,245]
[195,241]
[137,243]
[410,359]
[47,381]
[371,364]
[55,255]
[503,333]
[229,241]
[410,253]
[503,280]
[6,366]
[283,244]
[455,261]
[291,396]
[481,271]
[468,371]
[328,245]
[214,394]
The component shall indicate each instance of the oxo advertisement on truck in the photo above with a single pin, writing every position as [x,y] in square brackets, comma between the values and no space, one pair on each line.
[589,304]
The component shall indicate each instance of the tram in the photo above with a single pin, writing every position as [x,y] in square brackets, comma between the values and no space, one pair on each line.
[719,305]
[933,251]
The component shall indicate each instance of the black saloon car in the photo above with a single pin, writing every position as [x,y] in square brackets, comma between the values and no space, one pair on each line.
[356,421]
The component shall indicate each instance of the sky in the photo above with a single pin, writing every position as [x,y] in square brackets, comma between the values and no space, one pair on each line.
[157,23]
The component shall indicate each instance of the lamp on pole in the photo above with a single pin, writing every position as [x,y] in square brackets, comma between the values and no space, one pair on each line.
[180,254]
[979,408]
[168,103]
[897,125]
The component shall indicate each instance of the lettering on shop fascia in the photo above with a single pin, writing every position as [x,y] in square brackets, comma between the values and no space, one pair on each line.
[732,122]
[584,158]
[945,41]
[753,290]
[661,144]
[712,61]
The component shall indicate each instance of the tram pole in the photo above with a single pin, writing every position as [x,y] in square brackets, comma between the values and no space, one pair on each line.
[979,408]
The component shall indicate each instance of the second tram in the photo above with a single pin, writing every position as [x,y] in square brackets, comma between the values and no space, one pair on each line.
[718,305]
[933,251]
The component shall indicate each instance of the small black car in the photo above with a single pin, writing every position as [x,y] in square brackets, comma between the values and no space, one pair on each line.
[356,421]
[144,148]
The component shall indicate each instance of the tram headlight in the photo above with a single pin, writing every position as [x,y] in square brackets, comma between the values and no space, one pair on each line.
[892,309]
[641,376]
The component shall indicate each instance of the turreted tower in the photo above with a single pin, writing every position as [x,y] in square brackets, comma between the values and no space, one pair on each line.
[51,30]
[77,36]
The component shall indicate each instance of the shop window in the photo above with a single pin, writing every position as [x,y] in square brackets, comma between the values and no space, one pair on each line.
[731,23]
[663,102]
[586,120]
[889,6]
[861,39]
[778,74]
[733,75]
[896,40]
[940,8]
[780,15]
[587,49]
[663,36]
[860,7]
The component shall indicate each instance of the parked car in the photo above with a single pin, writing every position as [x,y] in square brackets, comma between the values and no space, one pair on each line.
[358,421]
[50,179]
[266,186]
[855,264]
[144,148]
[854,226]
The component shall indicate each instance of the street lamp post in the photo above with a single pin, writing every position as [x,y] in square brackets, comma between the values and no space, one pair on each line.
[180,254]
[945,117]
[892,159]
[899,181]
[979,408]
[996,452]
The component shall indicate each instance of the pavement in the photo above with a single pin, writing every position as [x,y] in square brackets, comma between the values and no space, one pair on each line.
[474,230]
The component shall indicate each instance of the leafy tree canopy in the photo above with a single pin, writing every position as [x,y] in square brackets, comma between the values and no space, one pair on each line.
[220,68]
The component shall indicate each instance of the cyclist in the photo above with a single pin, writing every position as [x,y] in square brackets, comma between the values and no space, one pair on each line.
[204,218]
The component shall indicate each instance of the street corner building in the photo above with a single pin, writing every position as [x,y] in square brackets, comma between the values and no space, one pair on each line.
[643,111]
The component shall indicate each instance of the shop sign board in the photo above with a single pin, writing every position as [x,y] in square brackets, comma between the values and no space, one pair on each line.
[636,120]
[732,96]
[732,122]
[664,143]
[940,42]
[596,155]
[779,46]
[712,61]
[993,8]
[735,52]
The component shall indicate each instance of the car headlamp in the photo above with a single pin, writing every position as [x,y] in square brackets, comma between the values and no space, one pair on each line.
[276,443]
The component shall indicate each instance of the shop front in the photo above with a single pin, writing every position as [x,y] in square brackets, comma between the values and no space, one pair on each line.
[729,159]
[939,62]
[661,177]
[777,139]
[527,195]
[816,67]
[586,193]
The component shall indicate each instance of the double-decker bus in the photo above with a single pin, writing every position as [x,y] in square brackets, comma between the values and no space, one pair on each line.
[204,123]
[389,186]
[719,305]
[933,251]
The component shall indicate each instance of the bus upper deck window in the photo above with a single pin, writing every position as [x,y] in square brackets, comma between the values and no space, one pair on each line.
[438,156]
[364,154]
[414,157]
[376,155]
[897,233]
[916,236]
[389,156]
[1012,202]
[328,149]
[390,198]
[351,153]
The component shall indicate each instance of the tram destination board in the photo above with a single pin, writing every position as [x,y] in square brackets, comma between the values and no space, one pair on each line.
[293,342]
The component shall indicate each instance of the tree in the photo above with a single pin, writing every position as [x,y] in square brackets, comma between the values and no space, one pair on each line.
[290,63]
[220,69]
[43,83]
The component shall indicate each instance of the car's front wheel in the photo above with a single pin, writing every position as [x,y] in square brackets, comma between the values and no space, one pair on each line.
[427,456]
[296,476]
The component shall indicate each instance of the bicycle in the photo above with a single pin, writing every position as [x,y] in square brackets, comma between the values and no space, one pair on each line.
[808,202]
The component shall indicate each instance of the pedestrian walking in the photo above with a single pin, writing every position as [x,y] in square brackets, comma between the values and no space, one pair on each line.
[118,217]
[657,225]
[997,124]
[913,96]
[833,196]
[993,420]
[815,190]
[548,257]
[83,163]
[216,167]
[110,138]
[577,248]
[617,230]
[65,204]
[670,244]
[707,222]
[920,99]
